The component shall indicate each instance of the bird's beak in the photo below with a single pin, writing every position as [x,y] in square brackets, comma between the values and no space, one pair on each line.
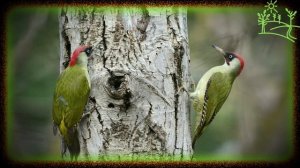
[222,52]
[219,49]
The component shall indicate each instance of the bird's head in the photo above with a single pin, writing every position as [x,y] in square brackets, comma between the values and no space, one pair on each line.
[232,59]
[80,55]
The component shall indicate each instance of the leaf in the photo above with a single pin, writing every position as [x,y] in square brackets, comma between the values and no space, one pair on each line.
[287,10]
[295,13]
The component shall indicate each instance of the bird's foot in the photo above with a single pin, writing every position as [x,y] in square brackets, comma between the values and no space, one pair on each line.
[181,88]
[193,84]
[89,112]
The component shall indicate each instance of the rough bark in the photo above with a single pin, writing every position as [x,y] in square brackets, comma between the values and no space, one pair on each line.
[140,59]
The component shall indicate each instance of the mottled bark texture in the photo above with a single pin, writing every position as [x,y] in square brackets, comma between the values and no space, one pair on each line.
[140,59]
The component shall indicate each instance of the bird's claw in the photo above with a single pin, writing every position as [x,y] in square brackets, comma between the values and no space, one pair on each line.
[181,88]
[88,113]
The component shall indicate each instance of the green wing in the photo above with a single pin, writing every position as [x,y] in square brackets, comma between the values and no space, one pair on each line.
[198,108]
[218,89]
[70,97]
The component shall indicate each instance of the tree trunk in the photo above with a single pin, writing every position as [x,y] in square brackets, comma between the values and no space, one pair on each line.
[140,58]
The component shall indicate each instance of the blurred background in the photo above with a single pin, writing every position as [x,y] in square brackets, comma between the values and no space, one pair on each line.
[254,123]
[34,56]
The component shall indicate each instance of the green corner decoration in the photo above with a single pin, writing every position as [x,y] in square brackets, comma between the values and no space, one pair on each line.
[271,16]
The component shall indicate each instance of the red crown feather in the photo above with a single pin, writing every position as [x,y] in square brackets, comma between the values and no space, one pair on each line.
[76,54]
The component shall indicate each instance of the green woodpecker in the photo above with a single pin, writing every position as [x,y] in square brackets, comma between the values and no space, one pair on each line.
[70,97]
[213,89]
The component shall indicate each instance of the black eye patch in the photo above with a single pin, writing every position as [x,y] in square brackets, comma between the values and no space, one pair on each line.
[230,56]
[88,51]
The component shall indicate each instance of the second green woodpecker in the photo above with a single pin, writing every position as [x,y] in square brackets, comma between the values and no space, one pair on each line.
[70,97]
[213,89]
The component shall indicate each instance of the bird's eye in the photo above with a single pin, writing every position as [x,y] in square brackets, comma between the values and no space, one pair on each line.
[88,51]
[230,56]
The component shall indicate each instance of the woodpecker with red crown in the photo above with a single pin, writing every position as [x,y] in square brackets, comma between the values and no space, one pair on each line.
[213,89]
[70,97]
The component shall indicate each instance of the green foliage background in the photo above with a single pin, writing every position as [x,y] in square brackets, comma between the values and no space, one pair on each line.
[255,123]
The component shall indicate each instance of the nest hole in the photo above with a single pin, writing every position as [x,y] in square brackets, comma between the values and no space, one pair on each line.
[116,81]
[111,105]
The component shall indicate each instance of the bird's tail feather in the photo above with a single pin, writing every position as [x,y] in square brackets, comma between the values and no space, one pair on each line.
[63,147]
[73,143]
[198,132]
[193,143]
[70,140]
